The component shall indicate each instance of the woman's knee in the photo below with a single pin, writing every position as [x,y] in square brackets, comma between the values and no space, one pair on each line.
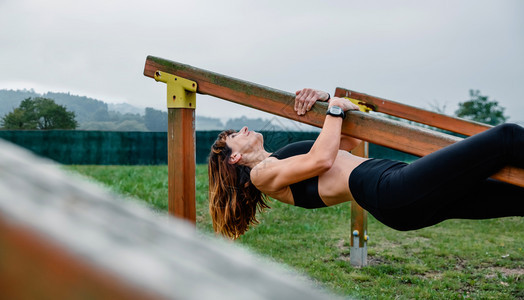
[511,129]
[509,134]
[512,136]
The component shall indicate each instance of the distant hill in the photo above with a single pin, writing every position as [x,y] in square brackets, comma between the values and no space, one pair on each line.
[125,108]
[207,123]
[85,108]
[10,99]
[93,114]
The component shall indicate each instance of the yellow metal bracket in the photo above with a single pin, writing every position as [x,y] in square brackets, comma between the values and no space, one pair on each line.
[181,92]
[364,107]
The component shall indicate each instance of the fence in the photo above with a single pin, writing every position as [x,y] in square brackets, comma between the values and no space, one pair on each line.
[140,148]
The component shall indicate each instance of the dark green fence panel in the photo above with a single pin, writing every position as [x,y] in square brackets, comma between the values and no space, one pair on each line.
[142,148]
[93,147]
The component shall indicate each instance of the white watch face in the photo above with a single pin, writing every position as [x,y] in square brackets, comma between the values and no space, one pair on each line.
[335,110]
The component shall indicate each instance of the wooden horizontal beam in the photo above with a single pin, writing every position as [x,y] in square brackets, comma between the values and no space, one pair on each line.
[378,130]
[375,129]
[415,114]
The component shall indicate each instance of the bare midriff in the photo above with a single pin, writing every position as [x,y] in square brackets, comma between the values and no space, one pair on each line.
[333,186]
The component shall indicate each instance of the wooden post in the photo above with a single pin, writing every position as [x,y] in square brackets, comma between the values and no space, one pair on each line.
[181,163]
[181,104]
[359,222]
[359,217]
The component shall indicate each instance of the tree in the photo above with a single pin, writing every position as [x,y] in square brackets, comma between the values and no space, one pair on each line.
[480,109]
[155,120]
[17,120]
[39,113]
[100,115]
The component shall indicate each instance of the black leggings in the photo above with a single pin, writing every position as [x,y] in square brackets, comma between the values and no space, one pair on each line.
[447,184]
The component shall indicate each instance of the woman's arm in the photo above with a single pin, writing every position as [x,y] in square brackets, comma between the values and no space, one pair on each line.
[273,175]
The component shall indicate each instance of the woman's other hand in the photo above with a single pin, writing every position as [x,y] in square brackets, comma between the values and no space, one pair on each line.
[343,103]
[305,98]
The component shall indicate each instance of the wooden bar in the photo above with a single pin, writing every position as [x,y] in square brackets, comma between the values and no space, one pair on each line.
[415,114]
[64,237]
[181,163]
[381,131]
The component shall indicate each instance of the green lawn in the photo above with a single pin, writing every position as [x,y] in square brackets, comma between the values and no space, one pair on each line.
[456,259]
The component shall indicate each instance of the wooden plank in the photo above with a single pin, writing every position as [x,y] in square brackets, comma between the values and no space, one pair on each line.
[181,163]
[415,114]
[375,129]
[62,237]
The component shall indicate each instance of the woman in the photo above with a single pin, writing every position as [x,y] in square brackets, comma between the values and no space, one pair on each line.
[450,183]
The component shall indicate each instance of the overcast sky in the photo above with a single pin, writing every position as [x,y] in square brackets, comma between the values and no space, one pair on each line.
[416,52]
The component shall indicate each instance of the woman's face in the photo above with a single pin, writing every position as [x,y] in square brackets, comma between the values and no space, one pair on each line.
[244,141]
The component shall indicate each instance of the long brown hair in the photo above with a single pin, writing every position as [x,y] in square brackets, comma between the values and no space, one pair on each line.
[233,199]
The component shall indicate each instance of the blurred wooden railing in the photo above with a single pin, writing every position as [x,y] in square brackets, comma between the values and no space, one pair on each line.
[62,237]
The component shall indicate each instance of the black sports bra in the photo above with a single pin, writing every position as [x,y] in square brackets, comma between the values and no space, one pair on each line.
[305,193]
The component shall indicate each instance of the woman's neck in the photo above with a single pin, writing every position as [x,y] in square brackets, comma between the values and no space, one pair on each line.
[254,159]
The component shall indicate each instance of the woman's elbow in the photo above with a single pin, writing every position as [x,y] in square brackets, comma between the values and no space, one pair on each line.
[321,161]
[325,165]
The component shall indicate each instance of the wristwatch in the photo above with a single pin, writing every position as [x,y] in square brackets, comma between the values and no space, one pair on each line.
[336,111]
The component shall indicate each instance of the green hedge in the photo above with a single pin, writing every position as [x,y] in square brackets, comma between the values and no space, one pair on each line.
[141,148]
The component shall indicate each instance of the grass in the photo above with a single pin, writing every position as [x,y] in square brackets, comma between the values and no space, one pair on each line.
[457,259]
